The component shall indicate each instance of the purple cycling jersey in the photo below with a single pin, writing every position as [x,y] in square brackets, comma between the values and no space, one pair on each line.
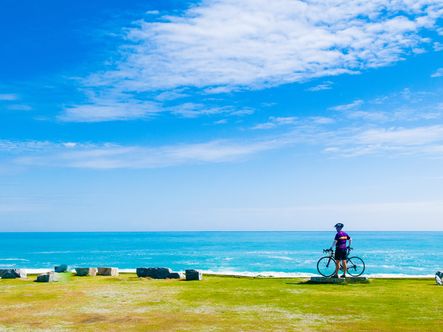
[341,238]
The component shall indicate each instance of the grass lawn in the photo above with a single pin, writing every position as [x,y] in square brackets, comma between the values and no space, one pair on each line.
[219,303]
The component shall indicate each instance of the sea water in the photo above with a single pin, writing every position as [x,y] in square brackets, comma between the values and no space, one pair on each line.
[266,253]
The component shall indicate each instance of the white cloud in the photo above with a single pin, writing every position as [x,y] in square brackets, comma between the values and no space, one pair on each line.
[438,73]
[113,156]
[221,122]
[274,122]
[438,46]
[218,89]
[370,116]
[109,111]
[322,120]
[8,97]
[327,85]
[354,142]
[23,147]
[346,107]
[193,110]
[402,136]
[220,46]
[171,95]
[70,144]
[418,130]
[404,122]
[342,142]
[405,106]
[152,12]
[266,125]
[228,43]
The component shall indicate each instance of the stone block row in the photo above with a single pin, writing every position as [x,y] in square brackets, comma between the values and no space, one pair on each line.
[166,273]
[94,271]
[143,272]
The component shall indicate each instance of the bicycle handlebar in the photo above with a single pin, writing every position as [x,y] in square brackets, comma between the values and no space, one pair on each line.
[330,250]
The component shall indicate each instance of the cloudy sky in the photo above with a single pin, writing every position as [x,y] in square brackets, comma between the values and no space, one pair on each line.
[221,115]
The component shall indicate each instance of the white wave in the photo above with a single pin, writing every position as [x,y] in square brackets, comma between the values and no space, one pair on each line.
[416,268]
[398,276]
[127,270]
[307,275]
[14,259]
[37,271]
[283,258]
[272,274]
[269,274]
[386,251]
[56,252]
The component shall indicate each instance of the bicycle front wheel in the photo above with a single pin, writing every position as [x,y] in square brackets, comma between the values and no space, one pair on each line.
[355,266]
[326,266]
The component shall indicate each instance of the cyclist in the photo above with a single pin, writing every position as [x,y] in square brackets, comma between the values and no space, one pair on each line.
[341,249]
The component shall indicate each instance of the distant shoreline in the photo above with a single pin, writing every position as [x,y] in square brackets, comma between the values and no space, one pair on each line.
[268,274]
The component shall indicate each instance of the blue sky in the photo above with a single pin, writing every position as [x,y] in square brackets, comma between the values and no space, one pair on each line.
[221,115]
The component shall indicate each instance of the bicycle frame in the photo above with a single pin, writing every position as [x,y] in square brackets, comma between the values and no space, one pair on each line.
[332,258]
[354,265]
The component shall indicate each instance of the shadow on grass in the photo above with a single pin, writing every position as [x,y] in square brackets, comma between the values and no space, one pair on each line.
[310,283]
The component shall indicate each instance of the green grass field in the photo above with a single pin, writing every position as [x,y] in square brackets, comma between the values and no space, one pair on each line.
[219,303]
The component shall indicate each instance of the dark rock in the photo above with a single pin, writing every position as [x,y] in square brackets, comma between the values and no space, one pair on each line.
[141,272]
[193,275]
[107,271]
[86,271]
[153,272]
[46,277]
[176,275]
[439,278]
[12,273]
[61,268]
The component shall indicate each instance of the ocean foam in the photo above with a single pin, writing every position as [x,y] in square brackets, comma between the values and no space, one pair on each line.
[268,274]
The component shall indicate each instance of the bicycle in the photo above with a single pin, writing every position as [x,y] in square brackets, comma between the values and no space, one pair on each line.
[326,264]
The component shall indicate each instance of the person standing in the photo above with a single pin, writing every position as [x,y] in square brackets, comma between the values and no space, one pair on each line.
[341,249]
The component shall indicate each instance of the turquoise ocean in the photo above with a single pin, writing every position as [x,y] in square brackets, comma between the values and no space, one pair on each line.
[274,253]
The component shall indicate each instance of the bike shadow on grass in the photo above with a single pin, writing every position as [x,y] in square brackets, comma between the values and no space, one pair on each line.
[331,281]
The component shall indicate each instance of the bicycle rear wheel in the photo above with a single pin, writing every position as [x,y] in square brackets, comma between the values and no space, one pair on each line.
[326,266]
[355,266]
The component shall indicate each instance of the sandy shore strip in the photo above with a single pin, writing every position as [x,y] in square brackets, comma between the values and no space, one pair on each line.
[269,274]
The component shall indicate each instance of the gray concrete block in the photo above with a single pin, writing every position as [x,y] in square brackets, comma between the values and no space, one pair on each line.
[153,272]
[193,275]
[176,275]
[61,268]
[107,271]
[47,277]
[86,271]
[12,273]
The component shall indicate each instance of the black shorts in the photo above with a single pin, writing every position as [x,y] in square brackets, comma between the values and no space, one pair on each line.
[340,254]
